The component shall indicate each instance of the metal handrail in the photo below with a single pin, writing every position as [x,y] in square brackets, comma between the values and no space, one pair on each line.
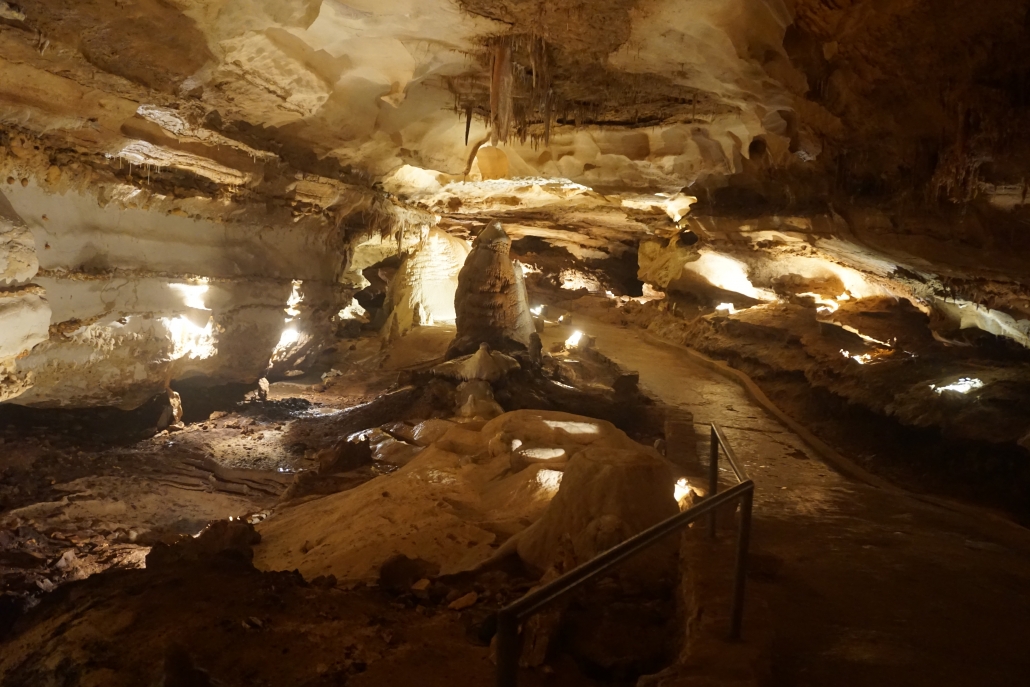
[509,617]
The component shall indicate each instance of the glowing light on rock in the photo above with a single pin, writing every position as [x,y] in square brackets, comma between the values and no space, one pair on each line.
[860,359]
[968,315]
[574,280]
[728,274]
[678,206]
[189,340]
[527,268]
[649,294]
[962,386]
[544,453]
[865,337]
[290,335]
[726,307]
[537,310]
[295,299]
[149,156]
[573,427]
[549,480]
[681,491]
[826,305]
[574,340]
[675,206]
[354,311]
[192,294]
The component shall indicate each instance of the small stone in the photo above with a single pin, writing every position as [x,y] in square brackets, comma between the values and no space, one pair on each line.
[217,415]
[464,602]
[421,585]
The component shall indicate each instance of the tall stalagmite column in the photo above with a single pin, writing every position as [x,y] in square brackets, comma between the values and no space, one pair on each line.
[491,305]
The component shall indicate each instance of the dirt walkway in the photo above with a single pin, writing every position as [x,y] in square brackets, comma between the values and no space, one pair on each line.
[864,586]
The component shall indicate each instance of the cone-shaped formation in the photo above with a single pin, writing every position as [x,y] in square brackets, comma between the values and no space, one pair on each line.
[491,304]
[484,364]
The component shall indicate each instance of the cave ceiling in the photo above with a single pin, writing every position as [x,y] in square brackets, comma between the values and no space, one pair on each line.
[919,96]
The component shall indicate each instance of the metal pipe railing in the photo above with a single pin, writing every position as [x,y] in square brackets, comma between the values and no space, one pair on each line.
[510,617]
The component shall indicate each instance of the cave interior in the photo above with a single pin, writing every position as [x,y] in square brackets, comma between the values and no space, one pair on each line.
[329,329]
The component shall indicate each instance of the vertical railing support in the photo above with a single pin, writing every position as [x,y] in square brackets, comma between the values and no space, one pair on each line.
[713,478]
[507,649]
[743,542]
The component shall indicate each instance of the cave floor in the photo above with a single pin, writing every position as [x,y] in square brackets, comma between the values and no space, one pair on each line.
[863,586]
[854,584]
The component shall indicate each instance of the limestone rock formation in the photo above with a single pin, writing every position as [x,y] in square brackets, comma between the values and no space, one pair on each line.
[24,311]
[484,364]
[491,304]
[475,399]
[352,533]
[606,496]
[422,291]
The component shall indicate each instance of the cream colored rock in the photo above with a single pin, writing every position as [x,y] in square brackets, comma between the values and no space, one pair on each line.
[425,433]
[18,262]
[141,295]
[491,304]
[453,503]
[607,495]
[272,63]
[422,291]
[484,364]
[24,321]
[475,399]
[24,311]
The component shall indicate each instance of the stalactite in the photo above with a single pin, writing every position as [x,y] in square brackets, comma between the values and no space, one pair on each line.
[521,89]
[501,92]
[548,99]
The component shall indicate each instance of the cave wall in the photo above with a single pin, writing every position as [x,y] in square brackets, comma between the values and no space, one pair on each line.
[132,288]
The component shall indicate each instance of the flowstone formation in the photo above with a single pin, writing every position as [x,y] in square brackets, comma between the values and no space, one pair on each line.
[468,490]
[491,304]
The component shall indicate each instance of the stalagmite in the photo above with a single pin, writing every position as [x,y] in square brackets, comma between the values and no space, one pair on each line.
[491,304]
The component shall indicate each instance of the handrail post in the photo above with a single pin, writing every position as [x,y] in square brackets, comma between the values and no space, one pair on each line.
[713,477]
[747,500]
[507,650]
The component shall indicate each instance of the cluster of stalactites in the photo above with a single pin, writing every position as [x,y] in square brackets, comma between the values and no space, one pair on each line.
[520,88]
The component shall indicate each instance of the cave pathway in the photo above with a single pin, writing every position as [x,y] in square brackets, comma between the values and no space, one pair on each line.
[864,586]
